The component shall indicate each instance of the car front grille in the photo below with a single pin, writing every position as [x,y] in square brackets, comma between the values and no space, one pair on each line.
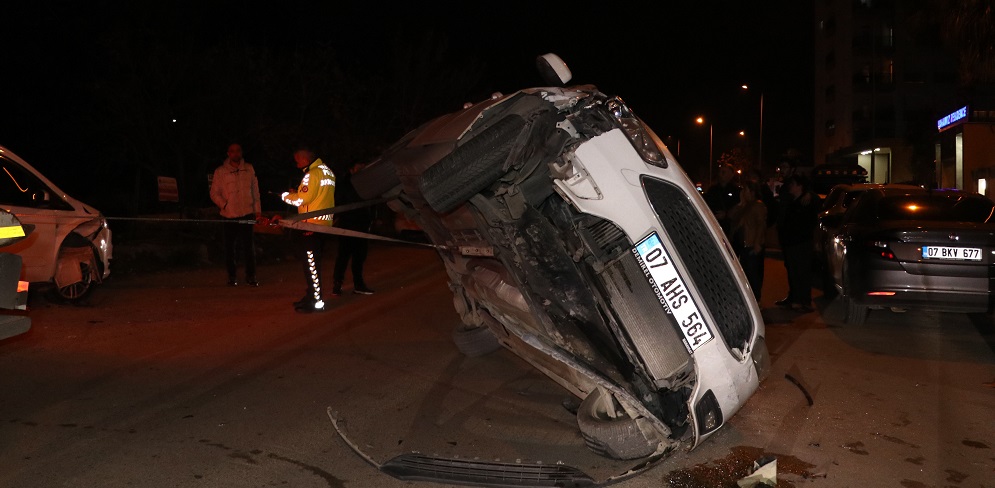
[634,304]
[646,322]
[709,271]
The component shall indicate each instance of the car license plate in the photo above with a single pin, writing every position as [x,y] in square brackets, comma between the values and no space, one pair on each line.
[953,253]
[672,291]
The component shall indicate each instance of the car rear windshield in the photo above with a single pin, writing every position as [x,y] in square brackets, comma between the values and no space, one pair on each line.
[937,207]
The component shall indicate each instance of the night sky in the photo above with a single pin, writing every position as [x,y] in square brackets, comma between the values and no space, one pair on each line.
[670,61]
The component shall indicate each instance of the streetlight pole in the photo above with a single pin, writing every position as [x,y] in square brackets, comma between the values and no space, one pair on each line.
[760,143]
[701,121]
[710,153]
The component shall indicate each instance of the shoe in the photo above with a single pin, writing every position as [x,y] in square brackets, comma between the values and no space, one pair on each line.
[786,303]
[232,282]
[362,290]
[797,307]
[310,307]
[337,290]
[253,282]
[302,301]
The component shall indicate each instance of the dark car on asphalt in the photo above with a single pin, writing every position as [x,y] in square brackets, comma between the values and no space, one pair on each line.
[900,247]
[573,238]
[834,206]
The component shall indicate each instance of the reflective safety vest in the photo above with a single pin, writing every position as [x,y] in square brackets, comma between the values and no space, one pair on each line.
[10,229]
[316,192]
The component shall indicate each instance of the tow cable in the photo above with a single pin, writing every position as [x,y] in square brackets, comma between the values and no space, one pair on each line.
[296,222]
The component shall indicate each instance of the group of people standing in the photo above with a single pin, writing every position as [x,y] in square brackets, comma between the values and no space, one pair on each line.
[235,191]
[747,209]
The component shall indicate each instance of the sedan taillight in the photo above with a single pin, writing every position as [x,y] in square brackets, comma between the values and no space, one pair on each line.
[881,249]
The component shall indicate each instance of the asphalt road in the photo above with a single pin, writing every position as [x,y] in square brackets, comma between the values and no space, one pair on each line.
[174,379]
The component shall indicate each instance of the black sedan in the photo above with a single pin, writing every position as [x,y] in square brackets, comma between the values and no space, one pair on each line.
[903,248]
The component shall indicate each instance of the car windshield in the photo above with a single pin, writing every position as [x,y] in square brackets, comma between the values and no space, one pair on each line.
[935,207]
[850,197]
[834,196]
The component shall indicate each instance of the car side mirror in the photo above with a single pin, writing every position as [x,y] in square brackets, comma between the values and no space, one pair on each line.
[553,70]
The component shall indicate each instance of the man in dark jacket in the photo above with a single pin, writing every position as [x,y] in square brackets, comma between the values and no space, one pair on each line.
[351,248]
[795,231]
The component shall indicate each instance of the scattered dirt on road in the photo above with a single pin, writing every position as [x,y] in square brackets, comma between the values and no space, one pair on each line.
[738,464]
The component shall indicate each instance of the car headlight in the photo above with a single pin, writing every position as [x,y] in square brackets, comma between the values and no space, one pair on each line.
[645,142]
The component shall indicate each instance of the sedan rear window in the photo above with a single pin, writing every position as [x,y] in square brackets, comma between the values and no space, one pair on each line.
[935,207]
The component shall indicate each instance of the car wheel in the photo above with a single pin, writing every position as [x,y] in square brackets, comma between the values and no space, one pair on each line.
[475,341]
[88,268]
[856,314]
[610,432]
[76,292]
[471,167]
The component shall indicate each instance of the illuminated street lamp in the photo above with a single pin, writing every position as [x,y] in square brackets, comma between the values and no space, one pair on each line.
[760,143]
[701,121]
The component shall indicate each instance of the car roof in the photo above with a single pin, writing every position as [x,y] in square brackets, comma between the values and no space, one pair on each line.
[835,197]
[868,186]
[892,192]
[917,190]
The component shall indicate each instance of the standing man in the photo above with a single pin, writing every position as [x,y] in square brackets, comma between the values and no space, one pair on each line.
[316,192]
[749,231]
[796,234]
[235,190]
[354,248]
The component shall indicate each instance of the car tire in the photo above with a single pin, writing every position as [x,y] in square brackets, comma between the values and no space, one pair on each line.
[79,291]
[856,314]
[471,167]
[611,437]
[475,341]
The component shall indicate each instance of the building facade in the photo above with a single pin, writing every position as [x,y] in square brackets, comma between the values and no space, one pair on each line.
[965,150]
[882,81]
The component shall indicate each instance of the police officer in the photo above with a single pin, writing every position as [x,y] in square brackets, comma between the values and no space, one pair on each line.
[316,192]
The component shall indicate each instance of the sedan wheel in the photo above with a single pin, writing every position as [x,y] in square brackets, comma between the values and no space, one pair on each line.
[86,259]
[856,314]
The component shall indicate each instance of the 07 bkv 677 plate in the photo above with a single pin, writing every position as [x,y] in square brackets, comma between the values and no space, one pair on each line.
[952,253]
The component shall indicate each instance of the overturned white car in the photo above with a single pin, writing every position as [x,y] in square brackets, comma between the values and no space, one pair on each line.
[572,237]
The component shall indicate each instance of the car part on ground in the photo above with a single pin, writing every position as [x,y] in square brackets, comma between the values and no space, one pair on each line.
[900,247]
[70,248]
[570,232]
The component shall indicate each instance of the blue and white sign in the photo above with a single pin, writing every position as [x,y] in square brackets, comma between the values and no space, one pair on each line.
[952,118]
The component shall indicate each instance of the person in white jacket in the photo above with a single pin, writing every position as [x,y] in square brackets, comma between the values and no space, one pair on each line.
[235,190]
